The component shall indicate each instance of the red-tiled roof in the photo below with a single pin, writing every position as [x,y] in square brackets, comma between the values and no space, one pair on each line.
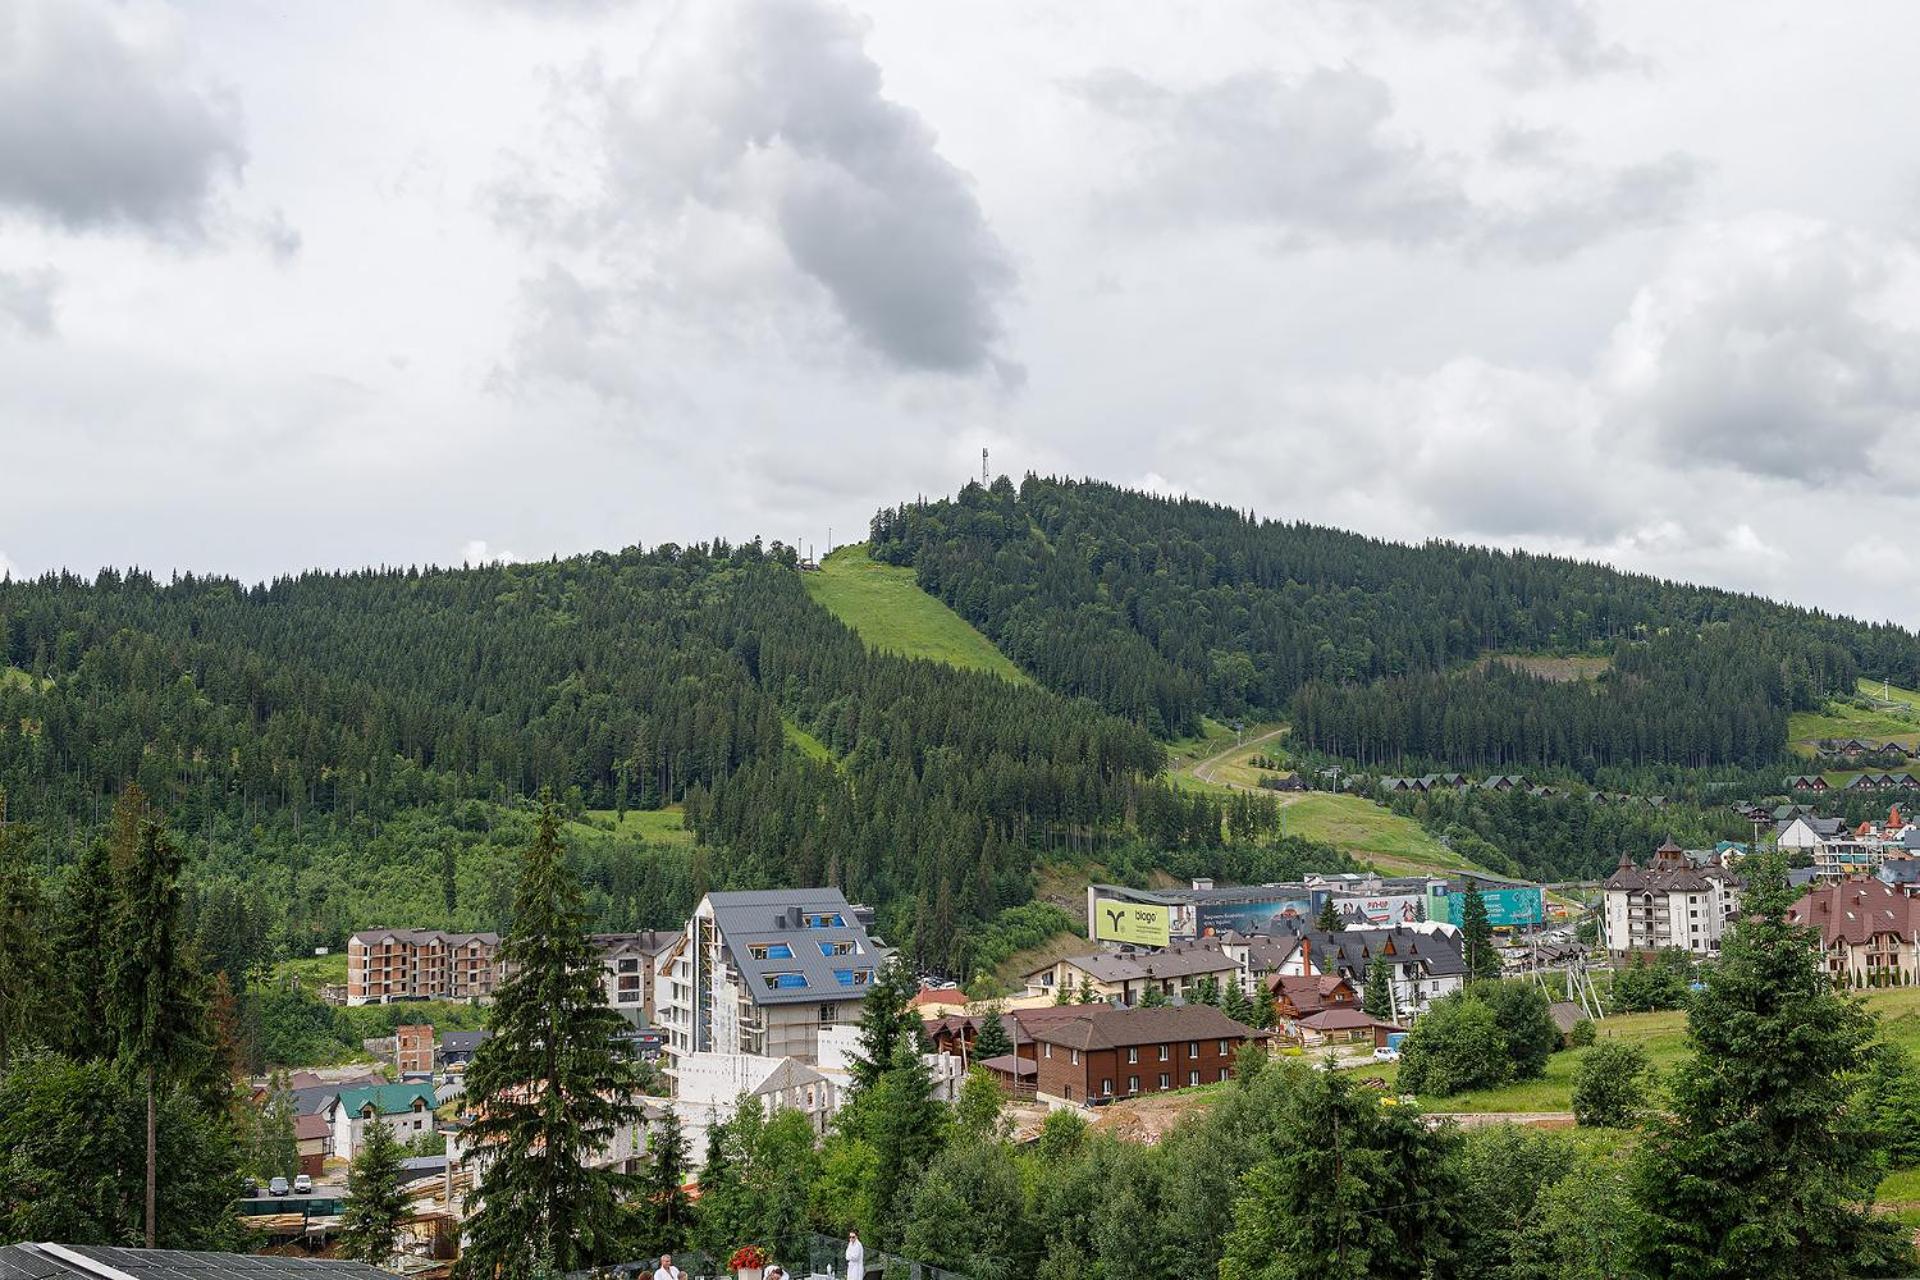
[1853,911]
[309,1127]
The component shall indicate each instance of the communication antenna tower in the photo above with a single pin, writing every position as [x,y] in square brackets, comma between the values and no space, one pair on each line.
[983,469]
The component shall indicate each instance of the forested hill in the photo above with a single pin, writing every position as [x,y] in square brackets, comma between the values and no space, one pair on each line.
[337,747]
[1164,609]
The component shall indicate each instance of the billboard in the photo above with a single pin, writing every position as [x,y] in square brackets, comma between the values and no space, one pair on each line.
[1136,922]
[1506,908]
[1384,910]
[1265,917]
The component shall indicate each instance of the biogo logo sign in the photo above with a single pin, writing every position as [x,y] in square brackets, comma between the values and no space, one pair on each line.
[1135,922]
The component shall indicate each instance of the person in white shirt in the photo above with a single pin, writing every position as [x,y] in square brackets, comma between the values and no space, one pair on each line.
[666,1270]
[856,1257]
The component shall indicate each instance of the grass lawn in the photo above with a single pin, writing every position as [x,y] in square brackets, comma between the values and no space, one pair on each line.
[655,826]
[1890,692]
[893,615]
[1548,667]
[810,747]
[1369,831]
[315,972]
[1842,721]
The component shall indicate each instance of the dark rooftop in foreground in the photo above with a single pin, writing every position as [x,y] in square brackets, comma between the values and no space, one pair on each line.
[100,1262]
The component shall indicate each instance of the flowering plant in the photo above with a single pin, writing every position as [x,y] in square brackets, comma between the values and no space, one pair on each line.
[748,1257]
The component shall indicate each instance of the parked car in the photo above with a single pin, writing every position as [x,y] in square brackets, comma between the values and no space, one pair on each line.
[1386,1053]
[278,1187]
[302,1185]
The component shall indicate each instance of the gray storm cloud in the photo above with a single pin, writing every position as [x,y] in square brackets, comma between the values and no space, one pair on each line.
[99,129]
[774,119]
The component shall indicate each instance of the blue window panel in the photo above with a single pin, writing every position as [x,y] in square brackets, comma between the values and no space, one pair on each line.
[852,977]
[779,951]
[786,981]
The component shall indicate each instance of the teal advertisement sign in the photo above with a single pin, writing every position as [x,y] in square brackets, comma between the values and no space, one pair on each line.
[1506,908]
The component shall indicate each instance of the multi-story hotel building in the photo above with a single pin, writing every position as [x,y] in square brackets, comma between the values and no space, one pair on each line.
[384,965]
[764,972]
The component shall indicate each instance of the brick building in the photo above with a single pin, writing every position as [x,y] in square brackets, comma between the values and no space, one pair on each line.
[421,964]
[1108,1053]
[413,1048]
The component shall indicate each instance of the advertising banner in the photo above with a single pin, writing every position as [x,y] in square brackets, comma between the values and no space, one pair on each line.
[1135,922]
[1384,910]
[1266,917]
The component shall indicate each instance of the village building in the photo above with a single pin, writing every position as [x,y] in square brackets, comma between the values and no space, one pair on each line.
[413,1049]
[1125,977]
[1668,904]
[1867,930]
[1300,995]
[405,1109]
[458,1047]
[1106,1052]
[1423,962]
[629,965]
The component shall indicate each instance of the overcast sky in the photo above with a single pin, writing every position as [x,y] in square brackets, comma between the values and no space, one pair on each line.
[331,284]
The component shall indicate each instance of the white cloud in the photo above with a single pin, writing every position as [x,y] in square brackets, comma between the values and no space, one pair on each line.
[477,552]
[103,124]
[27,301]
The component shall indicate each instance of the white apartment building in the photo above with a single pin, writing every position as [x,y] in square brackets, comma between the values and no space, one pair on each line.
[763,972]
[1669,904]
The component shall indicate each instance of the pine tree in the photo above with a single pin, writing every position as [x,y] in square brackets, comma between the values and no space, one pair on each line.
[1329,919]
[1476,933]
[1763,1169]
[907,1128]
[1087,995]
[370,1221]
[276,1145]
[157,1014]
[1236,1005]
[1153,997]
[669,1209]
[1263,1011]
[549,1088]
[1377,999]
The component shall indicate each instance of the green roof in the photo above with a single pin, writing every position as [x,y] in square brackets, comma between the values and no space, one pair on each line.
[387,1099]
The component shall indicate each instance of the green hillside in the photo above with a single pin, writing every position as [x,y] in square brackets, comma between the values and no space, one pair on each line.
[893,615]
[1895,715]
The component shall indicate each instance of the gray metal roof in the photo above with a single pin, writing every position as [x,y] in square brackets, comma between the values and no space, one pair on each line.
[750,918]
[57,1262]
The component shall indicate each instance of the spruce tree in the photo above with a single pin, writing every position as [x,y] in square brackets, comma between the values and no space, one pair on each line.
[669,1209]
[1236,1005]
[1377,999]
[370,1221]
[992,1041]
[157,1013]
[1329,919]
[27,966]
[1476,935]
[549,1088]
[84,948]
[1763,1169]
[885,1020]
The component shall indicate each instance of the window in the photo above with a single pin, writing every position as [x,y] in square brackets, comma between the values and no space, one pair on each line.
[828,1014]
[786,981]
[852,977]
[1226,1073]
[1193,1048]
[629,966]
[834,921]
[1133,1084]
[770,951]
[1164,1054]
[1224,1051]
[1193,1079]
[1073,1057]
[831,949]
[1133,1054]
[1165,1080]
[1106,1088]
[1048,1050]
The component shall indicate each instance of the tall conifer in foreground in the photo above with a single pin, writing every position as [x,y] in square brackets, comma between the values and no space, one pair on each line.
[549,1088]
[370,1225]
[1765,1168]
[157,1012]
[1476,935]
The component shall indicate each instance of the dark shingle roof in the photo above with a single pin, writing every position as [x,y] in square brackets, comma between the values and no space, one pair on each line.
[55,1262]
[1104,1027]
[1183,960]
